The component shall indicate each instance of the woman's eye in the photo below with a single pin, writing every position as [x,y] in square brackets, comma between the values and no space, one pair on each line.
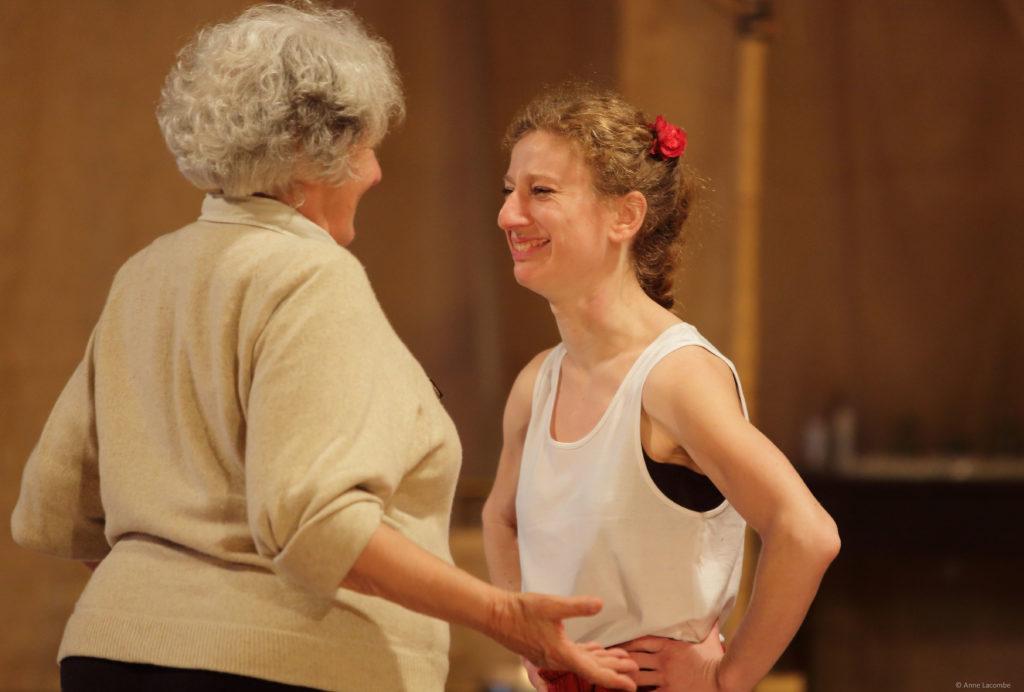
[539,190]
[506,191]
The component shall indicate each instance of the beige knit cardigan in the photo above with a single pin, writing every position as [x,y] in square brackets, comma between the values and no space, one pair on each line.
[244,418]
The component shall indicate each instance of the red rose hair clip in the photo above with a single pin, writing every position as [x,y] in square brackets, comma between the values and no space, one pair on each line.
[669,140]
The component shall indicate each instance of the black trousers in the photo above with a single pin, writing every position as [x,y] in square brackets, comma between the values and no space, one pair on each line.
[83,674]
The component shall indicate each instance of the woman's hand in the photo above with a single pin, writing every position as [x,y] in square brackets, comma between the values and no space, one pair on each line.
[533,673]
[531,625]
[393,567]
[672,665]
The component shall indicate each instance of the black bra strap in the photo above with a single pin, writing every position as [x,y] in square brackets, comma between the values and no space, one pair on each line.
[686,488]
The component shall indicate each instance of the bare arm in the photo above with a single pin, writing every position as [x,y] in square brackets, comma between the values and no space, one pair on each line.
[799,538]
[501,544]
[501,537]
[393,567]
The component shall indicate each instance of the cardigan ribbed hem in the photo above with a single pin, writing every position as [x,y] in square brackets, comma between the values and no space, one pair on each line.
[355,664]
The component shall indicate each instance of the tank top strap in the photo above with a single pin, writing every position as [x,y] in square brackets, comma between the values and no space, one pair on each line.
[672,339]
[546,382]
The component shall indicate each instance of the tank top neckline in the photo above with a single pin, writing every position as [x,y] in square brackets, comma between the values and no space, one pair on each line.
[556,378]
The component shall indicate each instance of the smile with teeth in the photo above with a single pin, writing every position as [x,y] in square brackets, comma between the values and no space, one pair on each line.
[522,244]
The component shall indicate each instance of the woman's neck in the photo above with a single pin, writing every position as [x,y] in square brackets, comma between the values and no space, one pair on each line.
[607,320]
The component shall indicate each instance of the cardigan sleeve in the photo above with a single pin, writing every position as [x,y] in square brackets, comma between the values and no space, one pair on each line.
[331,425]
[59,510]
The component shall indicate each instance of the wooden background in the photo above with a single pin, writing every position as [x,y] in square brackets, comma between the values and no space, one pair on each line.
[892,242]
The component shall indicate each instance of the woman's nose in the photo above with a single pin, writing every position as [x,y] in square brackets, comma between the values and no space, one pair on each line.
[376,174]
[511,214]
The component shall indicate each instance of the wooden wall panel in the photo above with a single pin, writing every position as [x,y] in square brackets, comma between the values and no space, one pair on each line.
[892,232]
[679,59]
[85,183]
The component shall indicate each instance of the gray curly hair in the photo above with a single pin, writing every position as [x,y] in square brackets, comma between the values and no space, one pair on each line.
[279,93]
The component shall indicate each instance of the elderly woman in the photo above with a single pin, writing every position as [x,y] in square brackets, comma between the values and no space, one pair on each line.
[260,468]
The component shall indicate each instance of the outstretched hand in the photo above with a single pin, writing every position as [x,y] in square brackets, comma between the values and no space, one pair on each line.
[531,625]
[672,665]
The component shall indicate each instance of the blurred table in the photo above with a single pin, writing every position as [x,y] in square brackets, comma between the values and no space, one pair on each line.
[926,590]
[952,506]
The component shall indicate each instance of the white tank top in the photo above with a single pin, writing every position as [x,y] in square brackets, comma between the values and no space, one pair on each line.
[591,521]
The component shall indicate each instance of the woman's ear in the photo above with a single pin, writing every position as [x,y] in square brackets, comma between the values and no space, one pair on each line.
[630,210]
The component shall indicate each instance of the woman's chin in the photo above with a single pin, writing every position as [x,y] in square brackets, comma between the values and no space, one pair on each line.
[526,275]
[344,237]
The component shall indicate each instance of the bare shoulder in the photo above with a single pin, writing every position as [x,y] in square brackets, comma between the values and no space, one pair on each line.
[520,398]
[515,423]
[688,377]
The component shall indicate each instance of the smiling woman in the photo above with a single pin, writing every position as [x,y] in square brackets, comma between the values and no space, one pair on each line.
[629,468]
[566,145]
[548,210]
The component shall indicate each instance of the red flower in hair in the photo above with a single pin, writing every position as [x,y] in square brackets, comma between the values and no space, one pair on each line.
[669,140]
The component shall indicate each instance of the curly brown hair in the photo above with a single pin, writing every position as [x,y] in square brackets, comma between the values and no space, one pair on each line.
[615,140]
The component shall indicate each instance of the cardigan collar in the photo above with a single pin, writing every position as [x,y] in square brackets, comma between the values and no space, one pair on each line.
[262,212]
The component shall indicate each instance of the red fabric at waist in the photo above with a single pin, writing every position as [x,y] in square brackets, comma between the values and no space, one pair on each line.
[562,681]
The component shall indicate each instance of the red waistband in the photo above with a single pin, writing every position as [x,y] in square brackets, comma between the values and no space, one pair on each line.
[562,681]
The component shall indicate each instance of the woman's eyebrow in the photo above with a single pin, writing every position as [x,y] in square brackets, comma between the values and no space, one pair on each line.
[534,177]
[546,177]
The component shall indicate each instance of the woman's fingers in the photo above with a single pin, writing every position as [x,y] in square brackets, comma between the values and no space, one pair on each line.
[615,653]
[542,618]
[617,677]
[616,663]
[599,666]
[623,665]
[651,645]
[559,608]
[646,660]
[615,659]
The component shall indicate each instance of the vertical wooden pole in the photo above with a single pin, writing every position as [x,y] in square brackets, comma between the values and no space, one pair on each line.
[747,279]
[753,55]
